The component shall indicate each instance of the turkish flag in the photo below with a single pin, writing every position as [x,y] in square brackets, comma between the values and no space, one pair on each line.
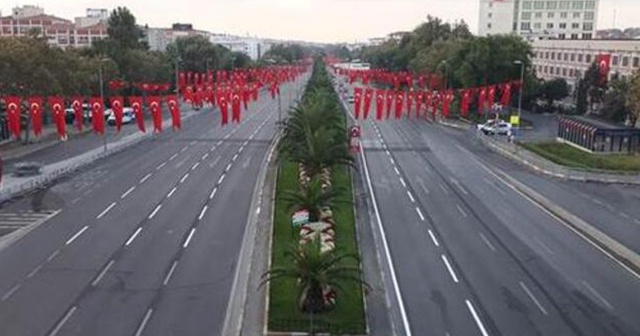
[389,102]
[379,104]
[35,114]
[14,109]
[236,108]
[187,94]
[155,106]
[357,101]
[368,95]
[409,101]
[604,61]
[198,96]
[174,109]
[117,108]
[182,80]
[428,100]
[78,111]
[274,89]
[136,105]
[246,95]
[223,104]
[399,104]
[97,114]
[419,101]
[57,107]
[422,82]
[446,102]
[254,92]
[491,96]
[505,100]
[464,102]
[481,100]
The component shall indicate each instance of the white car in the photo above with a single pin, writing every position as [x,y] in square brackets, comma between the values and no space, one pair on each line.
[493,127]
[127,117]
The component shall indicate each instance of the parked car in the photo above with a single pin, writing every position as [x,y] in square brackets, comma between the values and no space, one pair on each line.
[127,117]
[350,99]
[493,127]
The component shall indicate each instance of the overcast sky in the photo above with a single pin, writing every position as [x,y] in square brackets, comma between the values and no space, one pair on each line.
[312,20]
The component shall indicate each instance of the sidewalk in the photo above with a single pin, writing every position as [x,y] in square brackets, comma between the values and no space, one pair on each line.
[11,149]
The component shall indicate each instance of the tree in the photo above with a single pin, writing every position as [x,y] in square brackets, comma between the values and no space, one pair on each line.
[581,96]
[633,99]
[615,105]
[313,198]
[197,53]
[123,30]
[285,53]
[595,86]
[553,90]
[240,60]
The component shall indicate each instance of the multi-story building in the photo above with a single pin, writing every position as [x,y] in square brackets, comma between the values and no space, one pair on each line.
[251,46]
[59,32]
[569,59]
[159,38]
[561,19]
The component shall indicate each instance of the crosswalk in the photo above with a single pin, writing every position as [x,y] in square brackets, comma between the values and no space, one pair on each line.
[11,221]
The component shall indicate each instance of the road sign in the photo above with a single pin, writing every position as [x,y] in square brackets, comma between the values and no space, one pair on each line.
[514,120]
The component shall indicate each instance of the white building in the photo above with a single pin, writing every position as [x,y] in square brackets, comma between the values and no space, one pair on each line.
[92,18]
[562,19]
[251,46]
[569,59]
[159,38]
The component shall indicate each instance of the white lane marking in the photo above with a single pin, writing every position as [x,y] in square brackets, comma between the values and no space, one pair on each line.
[205,156]
[420,214]
[202,212]
[543,245]
[533,298]
[221,178]
[393,162]
[241,149]
[235,157]
[173,157]
[451,272]
[444,189]
[133,236]
[146,177]
[461,210]
[195,165]
[476,318]
[228,167]
[170,273]
[394,279]
[10,292]
[623,215]
[75,236]
[192,143]
[160,166]
[637,221]
[213,193]
[104,271]
[184,177]
[126,193]
[597,201]
[144,322]
[62,322]
[104,212]
[155,211]
[388,153]
[258,211]
[433,238]
[227,136]
[426,191]
[35,270]
[597,295]
[219,142]
[184,149]
[404,185]
[186,242]
[172,191]
[486,241]
[53,255]
[413,200]
[396,170]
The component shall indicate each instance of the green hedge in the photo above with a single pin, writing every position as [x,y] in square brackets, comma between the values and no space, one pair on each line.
[566,155]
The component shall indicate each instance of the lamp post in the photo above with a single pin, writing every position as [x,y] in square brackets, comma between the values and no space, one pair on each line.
[177,64]
[100,77]
[521,63]
[446,74]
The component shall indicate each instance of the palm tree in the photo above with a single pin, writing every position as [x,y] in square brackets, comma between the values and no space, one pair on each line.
[316,273]
[313,198]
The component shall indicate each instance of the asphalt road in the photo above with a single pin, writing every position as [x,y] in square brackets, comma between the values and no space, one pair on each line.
[146,242]
[472,256]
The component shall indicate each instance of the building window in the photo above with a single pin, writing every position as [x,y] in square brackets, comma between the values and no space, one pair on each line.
[490,15]
[574,36]
[578,73]
[576,15]
[573,57]
[538,5]
[579,57]
[577,5]
[575,25]
[553,55]
[557,70]
[551,15]
[526,5]
[590,4]
[564,15]
[489,25]
[564,72]
[526,15]
[525,26]
[563,25]
[636,62]
[538,15]
[551,70]
[625,61]
[552,4]
[550,25]
[546,55]
[588,26]
[537,25]
[566,57]
[588,16]
[562,36]
[570,72]
[565,4]
[615,60]
[62,40]
[587,36]
[587,58]
[546,69]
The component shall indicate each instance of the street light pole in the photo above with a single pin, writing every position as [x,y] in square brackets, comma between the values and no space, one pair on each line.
[521,85]
[177,77]
[104,135]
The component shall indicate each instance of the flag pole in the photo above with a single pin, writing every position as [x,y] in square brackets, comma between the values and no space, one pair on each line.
[104,135]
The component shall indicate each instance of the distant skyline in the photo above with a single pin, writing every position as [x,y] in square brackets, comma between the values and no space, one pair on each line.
[309,20]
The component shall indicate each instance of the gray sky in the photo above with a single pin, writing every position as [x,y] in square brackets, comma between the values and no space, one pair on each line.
[312,20]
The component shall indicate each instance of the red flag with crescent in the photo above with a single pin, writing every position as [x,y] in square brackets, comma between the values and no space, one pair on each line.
[174,109]
[505,100]
[379,104]
[223,105]
[368,95]
[236,107]
[410,98]
[419,96]
[155,107]
[604,61]
[482,100]
[399,103]
[57,107]
[464,102]
[97,114]
[78,111]
[357,101]
[136,104]
[390,97]
[35,114]
[117,108]
[14,109]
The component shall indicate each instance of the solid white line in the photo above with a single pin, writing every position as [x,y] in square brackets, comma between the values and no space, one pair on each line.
[144,322]
[213,193]
[195,165]
[420,214]
[597,295]
[172,191]
[160,166]
[413,200]
[221,178]
[235,157]
[451,272]
[397,171]
[202,212]
[404,185]
[133,236]
[155,211]
[53,255]
[186,242]
[241,149]
[258,211]
[475,317]
[173,156]
[8,294]
[184,177]
[35,270]
[464,214]
[75,236]
[394,280]
[128,192]
[228,167]
[171,270]
[388,153]
[104,271]
[146,177]
[433,238]
[104,212]
[64,320]
[205,156]
[533,298]
[393,162]
[486,241]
